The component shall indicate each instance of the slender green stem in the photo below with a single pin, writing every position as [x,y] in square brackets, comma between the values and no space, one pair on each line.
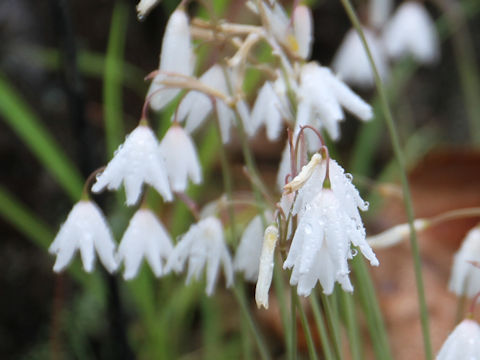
[279,288]
[293,323]
[321,327]
[333,323]
[366,292]
[306,329]
[406,188]
[239,292]
[353,331]
[112,88]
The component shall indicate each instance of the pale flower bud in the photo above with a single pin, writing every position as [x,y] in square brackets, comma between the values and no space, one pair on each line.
[265,272]
[395,234]
[304,174]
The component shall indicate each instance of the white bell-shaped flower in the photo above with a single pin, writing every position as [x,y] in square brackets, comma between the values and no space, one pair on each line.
[465,277]
[176,57]
[86,230]
[196,106]
[270,109]
[411,31]
[379,12]
[321,98]
[181,159]
[138,160]
[463,343]
[351,61]
[303,29]
[203,245]
[329,225]
[146,238]
[247,257]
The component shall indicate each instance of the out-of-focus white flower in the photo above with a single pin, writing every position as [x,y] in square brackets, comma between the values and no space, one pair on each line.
[247,257]
[378,12]
[144,7]
[395,234]
[265,272]
[465,277]
[87,230]
[297,38]
[269,109]
[181,160]
[329,225]
[138,160]
[302,29]
[203,244]
[411,31]
[176,58]
[351,61]
[463,343]
[321,98]
[146,238]
[196,106]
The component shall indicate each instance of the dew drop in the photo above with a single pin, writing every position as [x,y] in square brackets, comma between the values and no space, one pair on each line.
[354,252]
[366,204]
[349,176]
[141,17]
[308,229]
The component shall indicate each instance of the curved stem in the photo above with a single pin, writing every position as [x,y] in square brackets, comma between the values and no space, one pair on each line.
[424,316]
[312,352]
[406,188]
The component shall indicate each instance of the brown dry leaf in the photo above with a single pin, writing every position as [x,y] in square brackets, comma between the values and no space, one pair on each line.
[443,181]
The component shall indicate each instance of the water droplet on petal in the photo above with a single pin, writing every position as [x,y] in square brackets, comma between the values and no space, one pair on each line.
[349,176]
[308,229]
[354,252]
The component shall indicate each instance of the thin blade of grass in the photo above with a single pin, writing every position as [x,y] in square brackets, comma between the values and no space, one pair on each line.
[112,82]
[21,119]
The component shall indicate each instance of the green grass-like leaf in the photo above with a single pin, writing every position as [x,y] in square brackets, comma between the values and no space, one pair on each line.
[23,121]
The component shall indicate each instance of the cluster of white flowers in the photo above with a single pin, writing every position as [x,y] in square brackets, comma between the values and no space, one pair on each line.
[329,224]
[297,94]
[408,32]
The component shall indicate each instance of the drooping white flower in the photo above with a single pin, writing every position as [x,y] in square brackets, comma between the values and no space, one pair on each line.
[176,57]
[321,97]
[196,106]
[302,29]
[270,110]
[266,265]
[379,12]
[86,230]
[144,7]
[329,225]
[138,160]
[465,277]
[146,238]
[351,61]
[411,31]
[463,343]
[247,257]
[203,245]
[181,159]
